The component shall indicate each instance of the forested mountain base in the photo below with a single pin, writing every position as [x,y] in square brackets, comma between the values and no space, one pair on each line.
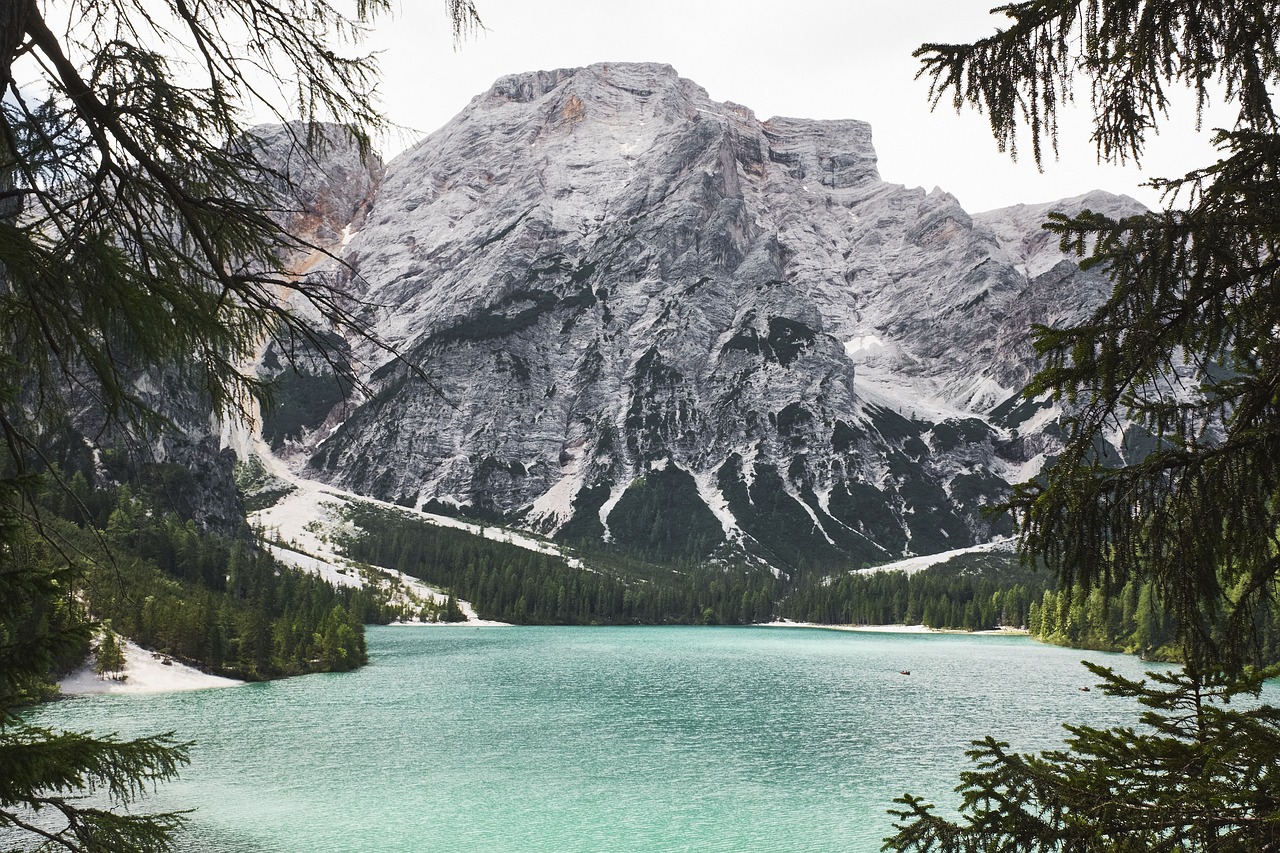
[971,592]
[513,584]
[218,603]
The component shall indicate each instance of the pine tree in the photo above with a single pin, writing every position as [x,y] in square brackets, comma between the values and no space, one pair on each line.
[1048,615]
[139,231]
[452,612]
[1198,776]
[1185,349]
[109,658]
[1148,634]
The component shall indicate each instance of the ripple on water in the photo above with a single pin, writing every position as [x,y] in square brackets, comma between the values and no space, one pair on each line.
[591,739]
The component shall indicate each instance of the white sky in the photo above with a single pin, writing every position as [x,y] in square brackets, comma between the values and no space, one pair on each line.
[803,58]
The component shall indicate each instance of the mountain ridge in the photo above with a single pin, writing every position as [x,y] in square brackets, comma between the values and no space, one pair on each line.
[635,301]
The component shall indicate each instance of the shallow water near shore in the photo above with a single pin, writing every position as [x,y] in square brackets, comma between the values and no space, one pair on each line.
[602,739]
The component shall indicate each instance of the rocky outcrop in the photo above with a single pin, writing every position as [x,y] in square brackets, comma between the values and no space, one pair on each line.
[628,311]
[179,449]
[323,182]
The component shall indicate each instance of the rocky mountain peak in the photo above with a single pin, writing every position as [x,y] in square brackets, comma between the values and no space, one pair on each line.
[639,79]
[656,321]
[835,154]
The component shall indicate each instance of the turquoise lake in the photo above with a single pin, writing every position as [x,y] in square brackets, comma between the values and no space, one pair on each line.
[602,739]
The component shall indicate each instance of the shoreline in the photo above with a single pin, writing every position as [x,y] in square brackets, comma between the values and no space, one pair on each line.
[895,629]
[468,623]
[145,672]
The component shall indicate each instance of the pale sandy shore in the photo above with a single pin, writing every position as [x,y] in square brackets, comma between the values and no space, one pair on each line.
[891,629]
[144,673]
[470,623]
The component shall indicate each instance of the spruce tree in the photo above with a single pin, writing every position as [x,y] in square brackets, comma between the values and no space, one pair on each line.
[1185,349]
[140,232]
[109,657]
[1199,775]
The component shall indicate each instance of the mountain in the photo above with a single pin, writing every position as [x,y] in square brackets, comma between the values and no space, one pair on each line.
[629,314]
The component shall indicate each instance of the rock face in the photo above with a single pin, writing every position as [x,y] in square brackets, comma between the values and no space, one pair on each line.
[325,188]
[651,318]
[320,194]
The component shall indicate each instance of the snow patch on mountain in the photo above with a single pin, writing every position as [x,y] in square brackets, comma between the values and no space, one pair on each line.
[555,506]
[609,275]
[711,495]
[911,565]
[304,527]
[863,346]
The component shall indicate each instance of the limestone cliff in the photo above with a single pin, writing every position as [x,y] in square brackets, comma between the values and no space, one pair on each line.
[655,319]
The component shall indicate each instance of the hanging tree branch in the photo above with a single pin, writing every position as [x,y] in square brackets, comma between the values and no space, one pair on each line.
[1184,350]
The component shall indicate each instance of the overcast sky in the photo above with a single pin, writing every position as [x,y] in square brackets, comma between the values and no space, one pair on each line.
[802,58]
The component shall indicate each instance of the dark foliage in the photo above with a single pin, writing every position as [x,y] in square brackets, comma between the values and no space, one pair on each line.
[1199,774]
[974,592]
[1185,349]
[518,585]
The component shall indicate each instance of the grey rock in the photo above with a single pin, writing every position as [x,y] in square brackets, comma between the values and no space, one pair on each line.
[610,278]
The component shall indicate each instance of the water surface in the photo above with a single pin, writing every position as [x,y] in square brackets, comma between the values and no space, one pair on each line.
[553,740]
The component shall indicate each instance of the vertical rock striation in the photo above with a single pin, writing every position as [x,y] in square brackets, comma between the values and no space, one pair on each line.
[656,319]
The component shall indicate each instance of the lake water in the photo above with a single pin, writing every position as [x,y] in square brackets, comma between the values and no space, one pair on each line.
[553,740]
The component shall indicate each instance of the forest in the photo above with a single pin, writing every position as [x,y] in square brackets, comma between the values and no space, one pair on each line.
[623,586]
[516,585]
[1132,618]
[216,602]
[971,592]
